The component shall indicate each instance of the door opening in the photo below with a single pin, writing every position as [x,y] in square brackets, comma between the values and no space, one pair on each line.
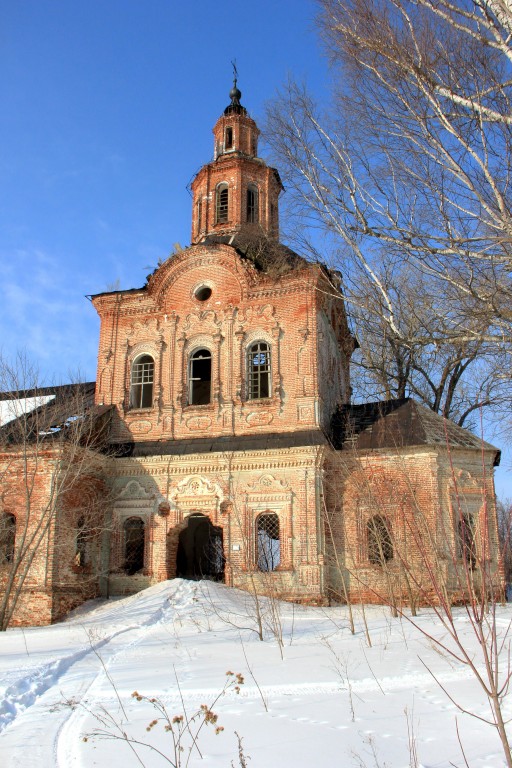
[200,550]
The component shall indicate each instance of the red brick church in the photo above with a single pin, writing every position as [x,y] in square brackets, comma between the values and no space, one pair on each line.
[234,452]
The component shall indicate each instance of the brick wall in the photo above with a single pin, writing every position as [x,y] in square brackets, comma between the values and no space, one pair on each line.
[48,498]
[292,314]
[412,490]
[231,491]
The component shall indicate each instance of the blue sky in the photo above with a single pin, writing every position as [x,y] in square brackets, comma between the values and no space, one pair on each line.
[107,111]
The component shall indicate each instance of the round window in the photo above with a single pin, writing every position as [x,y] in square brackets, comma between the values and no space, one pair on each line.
[203,293]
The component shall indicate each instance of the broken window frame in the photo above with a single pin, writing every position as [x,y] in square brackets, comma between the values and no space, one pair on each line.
[466,539]
[142,381]
[259,370]
[199,209]
[82,554]
[7,537]
[198,360]
[268,542]
[222,203]
[252,204]
[379,540]
[134,530]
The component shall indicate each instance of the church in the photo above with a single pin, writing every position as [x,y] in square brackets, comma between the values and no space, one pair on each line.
[234,452]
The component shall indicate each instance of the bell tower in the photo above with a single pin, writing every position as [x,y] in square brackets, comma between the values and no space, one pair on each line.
[237,190]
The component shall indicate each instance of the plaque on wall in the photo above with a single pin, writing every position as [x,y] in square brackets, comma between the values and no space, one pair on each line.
[259,418]
[198,423]
[140,427]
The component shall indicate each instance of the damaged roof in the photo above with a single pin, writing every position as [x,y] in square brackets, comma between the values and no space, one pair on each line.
[267,255]
[399,423]
[44,413]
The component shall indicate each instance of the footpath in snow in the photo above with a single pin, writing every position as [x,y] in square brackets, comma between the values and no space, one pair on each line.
[327,697]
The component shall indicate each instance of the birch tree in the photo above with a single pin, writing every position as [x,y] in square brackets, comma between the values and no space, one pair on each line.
[408,171]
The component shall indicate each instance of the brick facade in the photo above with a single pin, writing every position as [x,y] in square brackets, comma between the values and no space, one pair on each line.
[223,375]
[54,499]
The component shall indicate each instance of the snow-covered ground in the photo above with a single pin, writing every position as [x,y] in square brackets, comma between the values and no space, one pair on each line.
[332,700]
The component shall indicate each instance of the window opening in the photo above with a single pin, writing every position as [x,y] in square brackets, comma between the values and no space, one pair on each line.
[258,369]
[200,377]
[229,139]
[203,293]
[141,394]
[268,544]
[133,545]
[380,545]
[222,203]
[252,205]
[199,212]
[7,537]
[467,539]
[82,543]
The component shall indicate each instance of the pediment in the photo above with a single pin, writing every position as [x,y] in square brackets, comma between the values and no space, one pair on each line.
[134,490]
[268,483]
[194,486]
[219,266]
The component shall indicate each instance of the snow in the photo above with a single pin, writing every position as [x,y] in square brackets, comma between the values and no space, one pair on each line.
[13,408]
[330,699]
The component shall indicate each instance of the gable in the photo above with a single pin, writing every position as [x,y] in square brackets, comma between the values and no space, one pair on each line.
[201,276]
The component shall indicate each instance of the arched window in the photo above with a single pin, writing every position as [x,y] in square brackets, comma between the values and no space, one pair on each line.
[228,144]
[82,543]
[467,538]
[141,389]
[380,544]
[7,537]
[200,377]
[134,530]
[268,544]
[252,205]
[222,204]
[258,371]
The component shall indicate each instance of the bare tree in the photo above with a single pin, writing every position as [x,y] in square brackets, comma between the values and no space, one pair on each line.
[53,496]
[504,513]
[404,556]
[408,172]
[456,378]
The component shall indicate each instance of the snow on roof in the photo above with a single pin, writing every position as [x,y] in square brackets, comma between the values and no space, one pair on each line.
[15,407]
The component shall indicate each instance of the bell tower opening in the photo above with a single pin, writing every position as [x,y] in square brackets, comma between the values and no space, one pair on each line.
[200,552]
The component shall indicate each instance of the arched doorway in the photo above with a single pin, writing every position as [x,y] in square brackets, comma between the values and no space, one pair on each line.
[200,552]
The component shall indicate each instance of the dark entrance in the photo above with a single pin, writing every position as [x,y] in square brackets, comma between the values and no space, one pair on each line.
[200,552]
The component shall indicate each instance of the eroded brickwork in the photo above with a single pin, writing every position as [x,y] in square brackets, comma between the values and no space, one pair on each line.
[420,495]
[59,520]
[308,362]
[231,490]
